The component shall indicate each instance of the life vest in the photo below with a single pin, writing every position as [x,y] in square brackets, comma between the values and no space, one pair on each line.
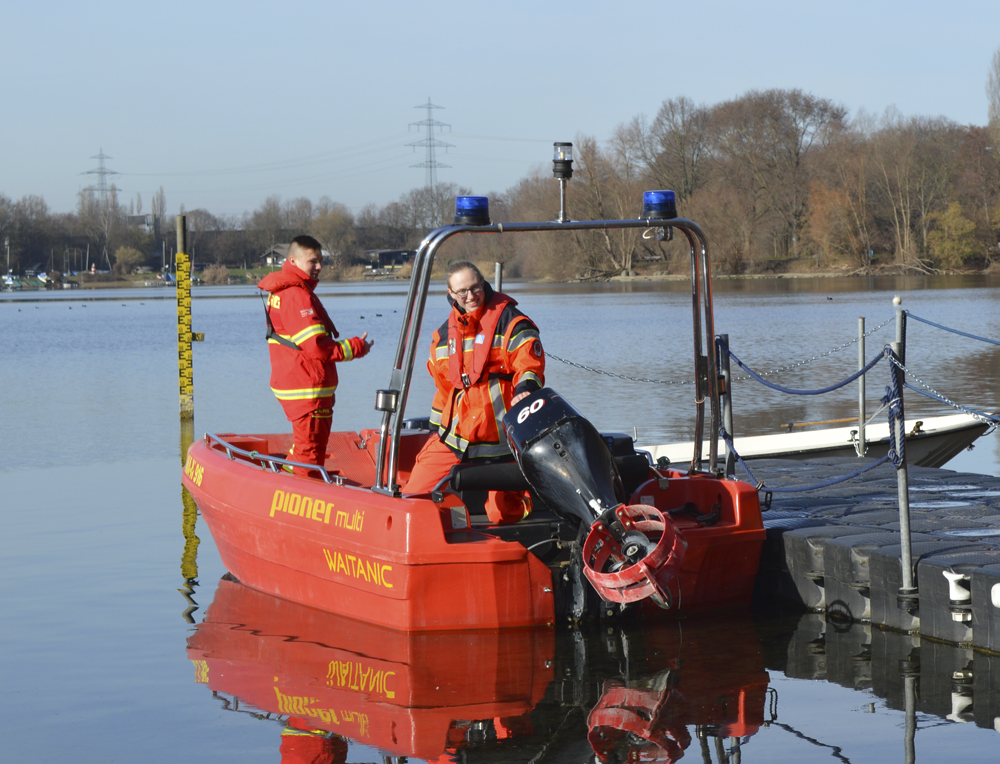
[477,361]
[483,333]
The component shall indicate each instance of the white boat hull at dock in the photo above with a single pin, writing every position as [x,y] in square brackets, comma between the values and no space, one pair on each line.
[930,442]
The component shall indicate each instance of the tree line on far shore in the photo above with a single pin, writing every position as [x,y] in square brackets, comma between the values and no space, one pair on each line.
[780,180]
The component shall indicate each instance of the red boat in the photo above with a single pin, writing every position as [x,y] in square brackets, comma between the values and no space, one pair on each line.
[612,533]
[515,693]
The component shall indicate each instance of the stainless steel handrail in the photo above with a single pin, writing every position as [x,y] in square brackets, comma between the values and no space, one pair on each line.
[270,462]
[416,279]
[701,293]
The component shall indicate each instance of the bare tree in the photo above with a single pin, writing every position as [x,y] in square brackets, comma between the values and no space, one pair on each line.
[771,134]
[554,256]
[199,223]
[612,190]
[913,162]
[675,146]
[939,141]
[333,225]
[297,214]
[102,219]
[894,156]
[265,224]
[978,187]
[841,222]
[158,206]
[6,222]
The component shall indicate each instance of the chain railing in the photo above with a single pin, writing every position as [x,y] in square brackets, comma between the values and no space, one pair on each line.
[892,399]
[778,370]
[554,357]
[791,391]
[930,392]
[815,357]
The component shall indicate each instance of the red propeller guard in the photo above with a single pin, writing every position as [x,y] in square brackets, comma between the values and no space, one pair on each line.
[650,575]
[622,710]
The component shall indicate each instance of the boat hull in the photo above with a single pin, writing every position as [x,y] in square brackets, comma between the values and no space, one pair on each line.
[931,442]
[350,550]
[414,564]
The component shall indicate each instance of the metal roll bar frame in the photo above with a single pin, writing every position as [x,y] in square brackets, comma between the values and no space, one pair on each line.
[706,368]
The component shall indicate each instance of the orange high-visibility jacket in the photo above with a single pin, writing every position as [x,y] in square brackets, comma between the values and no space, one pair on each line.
[301,377]
[479,362]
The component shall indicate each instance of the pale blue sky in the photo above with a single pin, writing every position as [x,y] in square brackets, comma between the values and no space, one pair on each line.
[224,103]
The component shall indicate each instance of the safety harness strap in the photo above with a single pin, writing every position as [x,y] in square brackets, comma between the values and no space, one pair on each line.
[271,334]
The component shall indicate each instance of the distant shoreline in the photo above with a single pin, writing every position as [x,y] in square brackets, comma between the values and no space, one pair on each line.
[638,277]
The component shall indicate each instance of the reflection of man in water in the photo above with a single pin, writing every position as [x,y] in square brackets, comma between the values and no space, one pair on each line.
[302,745]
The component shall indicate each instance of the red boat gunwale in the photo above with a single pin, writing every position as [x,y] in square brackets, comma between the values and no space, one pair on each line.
[397,562]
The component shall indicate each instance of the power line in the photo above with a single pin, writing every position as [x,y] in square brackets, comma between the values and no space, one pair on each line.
[473,136]
[340,174]
[368,147]
[430,143]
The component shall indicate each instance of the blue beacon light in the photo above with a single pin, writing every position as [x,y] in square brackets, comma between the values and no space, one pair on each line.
[659,205]
[472,210]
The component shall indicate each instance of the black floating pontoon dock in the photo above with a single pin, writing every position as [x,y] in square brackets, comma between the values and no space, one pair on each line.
[837,549]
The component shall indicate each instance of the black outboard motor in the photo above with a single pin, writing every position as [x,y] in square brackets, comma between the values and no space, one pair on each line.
[630,552]
[567,463]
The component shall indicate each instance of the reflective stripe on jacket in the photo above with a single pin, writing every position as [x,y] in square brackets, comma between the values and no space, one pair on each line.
[301,377]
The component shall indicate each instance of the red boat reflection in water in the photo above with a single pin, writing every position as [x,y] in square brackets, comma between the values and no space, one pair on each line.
[714,686]
[512,693]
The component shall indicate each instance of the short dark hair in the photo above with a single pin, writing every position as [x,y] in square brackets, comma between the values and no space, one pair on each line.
[305,241]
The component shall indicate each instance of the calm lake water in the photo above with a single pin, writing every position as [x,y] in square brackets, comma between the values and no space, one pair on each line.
[101,660]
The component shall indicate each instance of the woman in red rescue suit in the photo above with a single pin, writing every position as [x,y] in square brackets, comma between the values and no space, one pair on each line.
[485,358]
[304,349]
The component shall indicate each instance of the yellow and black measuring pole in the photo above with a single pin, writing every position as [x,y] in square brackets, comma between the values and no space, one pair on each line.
[189,557]
[184,334]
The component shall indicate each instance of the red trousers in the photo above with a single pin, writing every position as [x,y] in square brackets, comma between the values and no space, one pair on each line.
[310,434]
[435,460]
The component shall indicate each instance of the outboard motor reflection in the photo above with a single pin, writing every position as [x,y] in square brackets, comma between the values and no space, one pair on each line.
[631,552]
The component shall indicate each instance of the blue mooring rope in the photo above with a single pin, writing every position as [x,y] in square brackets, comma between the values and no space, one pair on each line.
[940,398]
[953,331]
[893,398]
[791,391]
[794,489]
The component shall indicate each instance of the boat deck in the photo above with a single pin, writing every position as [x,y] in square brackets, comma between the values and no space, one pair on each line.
[837,549]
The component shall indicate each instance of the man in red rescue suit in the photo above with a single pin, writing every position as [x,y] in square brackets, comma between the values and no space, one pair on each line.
[485,358]
[304,349]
